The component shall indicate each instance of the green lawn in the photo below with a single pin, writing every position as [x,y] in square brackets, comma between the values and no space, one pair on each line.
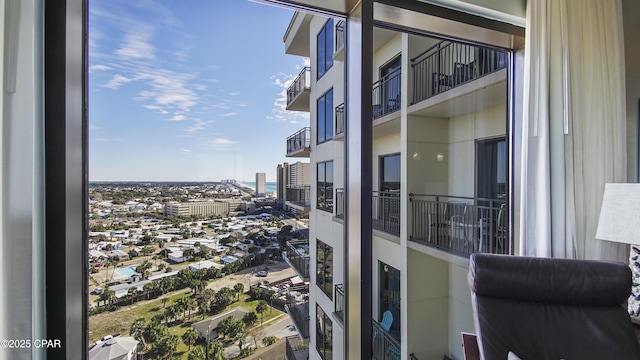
[119,321]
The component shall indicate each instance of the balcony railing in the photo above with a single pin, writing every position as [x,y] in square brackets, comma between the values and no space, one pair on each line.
[386,95]
[340,203]
[447,65]
[386,211]
[339,302]
[298,257]
[301,83]
[339,45]
[299,195]
[297,349]
[460,225]
[297,307]
[385,346]
[299,141]
[340,119]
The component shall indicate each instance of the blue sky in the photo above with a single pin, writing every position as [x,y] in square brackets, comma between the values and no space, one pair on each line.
[188,90]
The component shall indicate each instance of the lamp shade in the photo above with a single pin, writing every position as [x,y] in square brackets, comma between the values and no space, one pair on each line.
[620,214]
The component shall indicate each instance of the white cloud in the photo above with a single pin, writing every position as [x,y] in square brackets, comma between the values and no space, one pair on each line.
[229,114]
[187,151]
[117,81]
[234,94]
[279,111]
[136,45]
[221,143]
[156,108]
[178,118]
[99,67]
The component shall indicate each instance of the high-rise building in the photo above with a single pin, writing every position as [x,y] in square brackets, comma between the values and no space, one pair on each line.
[293,184]
[261,184]
[282,181]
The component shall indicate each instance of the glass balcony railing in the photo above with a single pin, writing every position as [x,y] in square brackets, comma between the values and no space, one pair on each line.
[385,346]
[339,302]
[298,257]
[340,203]
[296,348]
[299,144]
[297,307]
[386,95]
[301,84]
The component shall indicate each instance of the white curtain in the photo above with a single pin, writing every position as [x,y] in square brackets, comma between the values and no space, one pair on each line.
[574,125]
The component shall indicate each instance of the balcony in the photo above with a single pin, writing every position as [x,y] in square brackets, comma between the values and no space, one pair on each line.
[297,307]
[385,346]
[338,307]
[296,349]
[386,212]
[298,92]
[299,144]
[299,197]
[340,118]
[298,257]
[340,203]
[460,225]
[338,46]
[448,65]
[296,39]
[386,95]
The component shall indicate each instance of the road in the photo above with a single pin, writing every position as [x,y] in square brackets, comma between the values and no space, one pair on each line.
[282,327]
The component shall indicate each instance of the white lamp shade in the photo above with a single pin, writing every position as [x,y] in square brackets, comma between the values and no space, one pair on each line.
[620,214]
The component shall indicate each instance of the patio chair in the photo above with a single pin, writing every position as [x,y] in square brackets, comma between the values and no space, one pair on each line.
[387,320]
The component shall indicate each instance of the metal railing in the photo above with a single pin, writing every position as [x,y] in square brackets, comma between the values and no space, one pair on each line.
[338,307]
[298,256]
[386,211]
[301,140]
[299,195]
[460,225]
[384,346]
[301,83]
[298,309]
[296,348]
[339,44]
[340,203]
[449,64]
[340,119]
[386,95]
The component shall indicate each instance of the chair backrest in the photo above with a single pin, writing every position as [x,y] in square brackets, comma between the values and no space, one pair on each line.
[387,320]
[540,308]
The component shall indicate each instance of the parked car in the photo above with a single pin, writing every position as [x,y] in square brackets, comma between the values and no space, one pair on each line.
[96,291]
[261,273]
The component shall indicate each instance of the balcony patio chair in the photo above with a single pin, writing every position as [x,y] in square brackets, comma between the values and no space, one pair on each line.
[542,308]
[387,320]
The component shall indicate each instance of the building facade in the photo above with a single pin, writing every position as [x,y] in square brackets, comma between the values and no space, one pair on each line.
[205,208]
[261,184]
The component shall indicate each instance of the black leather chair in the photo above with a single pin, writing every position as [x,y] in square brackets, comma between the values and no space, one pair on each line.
[551,309]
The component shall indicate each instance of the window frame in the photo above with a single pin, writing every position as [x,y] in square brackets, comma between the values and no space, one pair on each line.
[321,201]
[322,275]
[321,336]
[324,55]
[324,117]
[382,171]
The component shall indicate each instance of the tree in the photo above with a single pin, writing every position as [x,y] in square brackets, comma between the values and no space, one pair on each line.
[146,251]
[261,308]
[191,304]
[166,346]
[204,308]
[197,353]
[148,288]
[132,293]
[189,337]
[164,301]
[224,326]
[250,318]
[188,253]
[170,313]
[224,297]
[137,330]
[216,350]
[239,289]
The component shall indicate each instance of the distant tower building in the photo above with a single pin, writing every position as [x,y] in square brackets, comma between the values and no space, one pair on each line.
[282,181]
[261,184]
[299,174]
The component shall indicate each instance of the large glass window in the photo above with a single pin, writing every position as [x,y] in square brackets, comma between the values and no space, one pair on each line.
[390,172]
[324,334]
[389,290]
[492,169]
[324,268]
[325,186]
[325,117]
[325,48]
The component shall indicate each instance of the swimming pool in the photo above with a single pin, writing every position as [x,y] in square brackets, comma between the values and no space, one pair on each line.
[126,271]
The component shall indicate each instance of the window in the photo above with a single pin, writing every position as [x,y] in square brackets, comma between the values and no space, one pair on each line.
[390,172]
[325,186]
[324,268]
[325,117]
[491,162]
[325,48]
[389,291]
[324,334]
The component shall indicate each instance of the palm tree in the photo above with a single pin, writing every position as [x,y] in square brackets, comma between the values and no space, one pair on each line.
[204,308]
[170,313]
[137,330]
[189,337]
[181,305]
[132,293]
[239,289]
[164,301]
[109,294]
[148,288]
[261,308]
